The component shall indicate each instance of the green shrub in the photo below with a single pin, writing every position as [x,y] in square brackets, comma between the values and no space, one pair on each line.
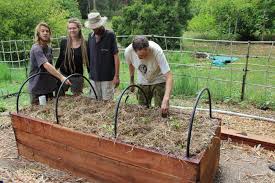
[72,7]
[155,17]
[18,18]
[233,19]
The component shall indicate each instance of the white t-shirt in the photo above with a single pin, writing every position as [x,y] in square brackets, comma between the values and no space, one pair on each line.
[152,69]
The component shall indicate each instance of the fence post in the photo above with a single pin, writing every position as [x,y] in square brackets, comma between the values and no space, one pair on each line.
[25,60]
[267,69]
[165,43]
[4,56]
[245,72]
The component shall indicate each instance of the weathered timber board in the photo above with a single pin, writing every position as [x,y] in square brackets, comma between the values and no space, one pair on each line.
[249,139]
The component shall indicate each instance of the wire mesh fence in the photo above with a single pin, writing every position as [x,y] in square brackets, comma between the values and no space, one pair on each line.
[247,71]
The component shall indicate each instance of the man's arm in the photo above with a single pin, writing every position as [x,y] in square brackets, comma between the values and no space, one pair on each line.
[55,73]
[132,76]
[168,89]
[117,65]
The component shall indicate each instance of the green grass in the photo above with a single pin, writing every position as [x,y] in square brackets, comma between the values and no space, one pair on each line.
[4,72]
[190,76]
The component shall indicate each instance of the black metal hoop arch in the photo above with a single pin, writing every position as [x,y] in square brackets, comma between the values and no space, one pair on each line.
[32,76]
[193,115]
[118,103]
[60,88]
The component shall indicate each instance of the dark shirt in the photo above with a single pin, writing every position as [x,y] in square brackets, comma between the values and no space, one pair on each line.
[43,83]
[77,61]
[101,56]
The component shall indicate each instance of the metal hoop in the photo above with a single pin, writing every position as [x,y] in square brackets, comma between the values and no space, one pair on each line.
[60,88]
[193,115]
[118,103]
[32,76]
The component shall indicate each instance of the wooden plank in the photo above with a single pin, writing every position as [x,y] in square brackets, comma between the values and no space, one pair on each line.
[210,161]
[40,156]
[94,164]
[104,147]
[249,139]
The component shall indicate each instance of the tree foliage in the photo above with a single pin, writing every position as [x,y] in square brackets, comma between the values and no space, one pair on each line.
[105,7]
[72,8]
[150,17]
[18,18]
[245,19]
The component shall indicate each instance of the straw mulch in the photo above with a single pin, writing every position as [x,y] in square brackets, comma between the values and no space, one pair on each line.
[137,125]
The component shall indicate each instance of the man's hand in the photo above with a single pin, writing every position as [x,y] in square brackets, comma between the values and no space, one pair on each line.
[116,81]
[68,82]
[164,107]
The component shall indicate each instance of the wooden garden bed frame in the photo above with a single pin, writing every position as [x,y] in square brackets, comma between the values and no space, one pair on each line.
[105,160]
[248,139]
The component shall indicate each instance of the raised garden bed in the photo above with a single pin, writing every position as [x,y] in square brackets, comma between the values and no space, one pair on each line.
[147,148]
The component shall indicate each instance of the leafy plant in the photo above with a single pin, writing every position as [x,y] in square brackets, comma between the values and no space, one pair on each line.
[242,19]
[140,17]
[72,7]
[175,123]
[17,22]
[2,109]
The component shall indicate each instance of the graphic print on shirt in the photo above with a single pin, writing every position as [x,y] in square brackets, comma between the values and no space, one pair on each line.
[142,68]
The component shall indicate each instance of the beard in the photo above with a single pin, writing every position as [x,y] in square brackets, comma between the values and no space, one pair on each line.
[100,31]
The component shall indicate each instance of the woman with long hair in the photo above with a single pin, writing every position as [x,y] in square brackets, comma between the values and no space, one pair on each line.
[41,61]
[73,55]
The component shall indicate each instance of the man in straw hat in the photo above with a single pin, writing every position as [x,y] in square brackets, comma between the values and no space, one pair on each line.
[103,57]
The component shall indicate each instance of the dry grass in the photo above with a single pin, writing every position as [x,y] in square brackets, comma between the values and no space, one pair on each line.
[137,125]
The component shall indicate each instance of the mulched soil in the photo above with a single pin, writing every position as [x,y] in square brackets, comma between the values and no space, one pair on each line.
[137,125]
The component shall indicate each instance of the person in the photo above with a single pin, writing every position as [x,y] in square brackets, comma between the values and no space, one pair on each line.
[41,61]
[103,57]
[153,72]
[73,55]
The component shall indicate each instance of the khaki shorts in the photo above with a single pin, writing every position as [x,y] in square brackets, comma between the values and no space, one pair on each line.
[155,91]
[104,90]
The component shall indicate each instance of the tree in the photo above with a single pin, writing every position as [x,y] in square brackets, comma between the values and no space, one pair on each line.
[72,8]
[19,18]
[157,17]
[244,19]
[105,7]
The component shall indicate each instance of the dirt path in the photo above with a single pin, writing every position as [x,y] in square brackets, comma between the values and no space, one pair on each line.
[242,164]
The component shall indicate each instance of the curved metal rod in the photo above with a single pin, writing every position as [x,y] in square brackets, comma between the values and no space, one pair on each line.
[118,103]
[193,115]
[32,76]
[60,88]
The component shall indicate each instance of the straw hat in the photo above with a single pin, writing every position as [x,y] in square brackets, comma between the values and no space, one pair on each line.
[95,20]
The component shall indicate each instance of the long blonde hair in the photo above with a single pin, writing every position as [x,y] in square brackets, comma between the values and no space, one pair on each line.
[37,37]
[69,53]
